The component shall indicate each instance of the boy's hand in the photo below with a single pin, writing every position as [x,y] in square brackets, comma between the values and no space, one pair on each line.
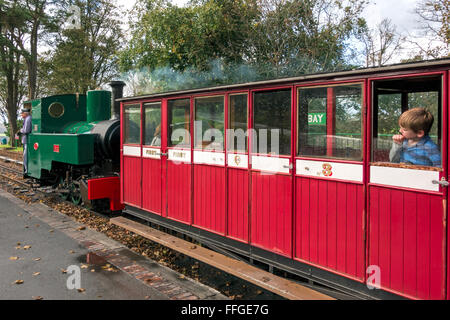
[398,138]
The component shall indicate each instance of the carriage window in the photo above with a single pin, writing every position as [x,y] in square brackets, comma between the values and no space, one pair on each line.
[272,122]
[179,123]
[152,124]
[237,138]
[414,98]
[132,124]
[209,123]
[330,122]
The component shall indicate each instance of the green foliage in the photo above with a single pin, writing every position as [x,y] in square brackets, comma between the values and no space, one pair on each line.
[166,35]
[85,58]
[215,42]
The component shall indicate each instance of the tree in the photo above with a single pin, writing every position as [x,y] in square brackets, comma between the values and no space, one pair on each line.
[12,29]
[380,45]
[165,35]
[222,41]
[435,15]
[294,37]
[85,57]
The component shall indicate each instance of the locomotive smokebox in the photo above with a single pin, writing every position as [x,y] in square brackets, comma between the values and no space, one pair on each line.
[117,92]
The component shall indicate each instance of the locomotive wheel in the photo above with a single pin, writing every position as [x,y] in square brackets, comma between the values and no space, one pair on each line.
[75,197]
[64,196]
[63,185]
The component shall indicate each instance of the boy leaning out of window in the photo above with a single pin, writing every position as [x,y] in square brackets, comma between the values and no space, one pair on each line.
[413,145]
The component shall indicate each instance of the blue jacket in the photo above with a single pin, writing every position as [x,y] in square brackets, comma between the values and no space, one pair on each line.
[424,153]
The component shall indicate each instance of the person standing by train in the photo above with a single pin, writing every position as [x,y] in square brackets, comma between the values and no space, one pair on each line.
[25,131]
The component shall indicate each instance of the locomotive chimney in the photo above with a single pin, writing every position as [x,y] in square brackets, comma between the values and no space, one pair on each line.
[117,92]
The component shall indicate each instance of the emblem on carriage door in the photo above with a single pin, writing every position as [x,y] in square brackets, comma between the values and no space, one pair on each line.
[327,170]
[237,160]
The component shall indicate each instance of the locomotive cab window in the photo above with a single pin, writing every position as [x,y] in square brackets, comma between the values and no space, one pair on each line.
[407,122]
[152,124]
[330,122]
[131,125]
[56,110]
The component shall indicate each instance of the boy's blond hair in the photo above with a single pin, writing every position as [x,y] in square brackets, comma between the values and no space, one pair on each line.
[416,119]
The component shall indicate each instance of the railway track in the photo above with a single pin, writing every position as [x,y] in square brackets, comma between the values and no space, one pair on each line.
[232,285]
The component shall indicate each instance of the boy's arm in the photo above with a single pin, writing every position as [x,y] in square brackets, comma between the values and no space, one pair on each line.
[395,153]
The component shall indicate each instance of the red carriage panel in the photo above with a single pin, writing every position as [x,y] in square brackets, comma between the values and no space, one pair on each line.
[329,225]
[132,180]
[271,213]
[237,218]
[151,183]
[209,198]
[179,189]
[406,241]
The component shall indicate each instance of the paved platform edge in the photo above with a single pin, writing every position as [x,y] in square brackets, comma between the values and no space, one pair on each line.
[102,248]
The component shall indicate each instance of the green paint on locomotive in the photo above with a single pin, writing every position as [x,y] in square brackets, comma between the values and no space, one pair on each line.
[60,130]
[44,149]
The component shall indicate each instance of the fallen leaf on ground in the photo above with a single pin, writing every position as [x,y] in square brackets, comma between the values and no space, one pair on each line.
[13,258]
[37,297]
[81,228]
[18,282]
[37,259]
[36,273]
[81,290]
[26,247]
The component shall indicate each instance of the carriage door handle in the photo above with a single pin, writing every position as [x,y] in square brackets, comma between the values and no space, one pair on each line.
[443,183]
[164,154]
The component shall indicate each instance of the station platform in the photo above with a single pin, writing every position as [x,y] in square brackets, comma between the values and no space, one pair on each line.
[45,255]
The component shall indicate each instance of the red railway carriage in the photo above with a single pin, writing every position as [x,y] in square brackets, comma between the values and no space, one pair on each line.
[297,173]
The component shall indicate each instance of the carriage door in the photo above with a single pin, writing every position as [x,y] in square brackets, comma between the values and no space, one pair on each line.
[179,160]
[151,157]
[329,192]
[271,181]
[131,155]
[407,194]
[209,164]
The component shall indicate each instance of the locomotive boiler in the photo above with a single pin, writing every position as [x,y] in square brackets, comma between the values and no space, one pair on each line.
[74,145]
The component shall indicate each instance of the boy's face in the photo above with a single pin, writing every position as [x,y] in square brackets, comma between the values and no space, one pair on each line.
[411,134]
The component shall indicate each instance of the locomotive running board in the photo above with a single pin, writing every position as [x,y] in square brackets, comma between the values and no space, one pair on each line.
[261,278]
